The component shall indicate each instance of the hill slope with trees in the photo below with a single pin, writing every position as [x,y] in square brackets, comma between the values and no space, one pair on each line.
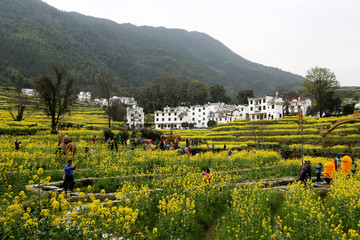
[34,35]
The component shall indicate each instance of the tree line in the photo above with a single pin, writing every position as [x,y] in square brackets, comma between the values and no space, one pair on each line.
[57,94]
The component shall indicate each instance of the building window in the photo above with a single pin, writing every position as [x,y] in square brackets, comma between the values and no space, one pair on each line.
[251,101]
[193,113]
[264,100]
[175,119]
[175,114]
[279,115]
[193,108]
[163,114]
[264,107]
[199,110]
[251,108]
[157,114]
[157,119]
[180,119]
[269,115]
[203,113]
[162,119]
[193,119]
[257,116]
[273,106]
[203,119]
[169,119]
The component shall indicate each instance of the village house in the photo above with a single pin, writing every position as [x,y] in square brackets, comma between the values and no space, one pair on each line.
[267,107]
[84,96]
[135,117]
[29,92]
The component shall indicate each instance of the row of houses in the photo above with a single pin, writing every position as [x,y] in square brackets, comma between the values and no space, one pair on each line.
[268,107]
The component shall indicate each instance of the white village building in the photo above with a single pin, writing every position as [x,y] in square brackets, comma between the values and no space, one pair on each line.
[84,96]
[126,100]
[266,108]
[130,101]
[198,115]
[297,104]
[171,117]
[29,92]
[135,117]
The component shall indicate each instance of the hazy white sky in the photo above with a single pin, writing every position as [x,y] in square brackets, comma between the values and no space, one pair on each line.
[293,35]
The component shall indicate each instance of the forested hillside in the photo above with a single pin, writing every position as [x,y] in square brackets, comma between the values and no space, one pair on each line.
[34,35]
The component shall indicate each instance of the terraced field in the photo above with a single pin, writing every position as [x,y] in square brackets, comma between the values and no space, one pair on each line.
[145,194]
[280,134]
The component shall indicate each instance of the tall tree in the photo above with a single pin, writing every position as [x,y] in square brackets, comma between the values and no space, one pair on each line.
[243,96]
[105,82]
[56,93]
[319,82]
[218,94]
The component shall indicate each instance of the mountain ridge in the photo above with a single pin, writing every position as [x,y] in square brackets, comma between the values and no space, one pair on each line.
[36,34]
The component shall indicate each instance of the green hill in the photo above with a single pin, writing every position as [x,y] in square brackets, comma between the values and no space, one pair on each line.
[34,35]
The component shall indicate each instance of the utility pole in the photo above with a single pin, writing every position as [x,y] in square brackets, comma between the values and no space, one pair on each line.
[302,134]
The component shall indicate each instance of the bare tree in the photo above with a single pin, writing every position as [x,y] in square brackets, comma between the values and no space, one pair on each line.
[105,82]
[56,93]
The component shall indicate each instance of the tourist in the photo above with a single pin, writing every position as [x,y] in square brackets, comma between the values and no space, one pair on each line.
[230,153]
[207,146]
[224,146]
[116,146]
[303,175]
[69,178]
[318,172]
[213,146]
[179,151]
[87,153]
[338,162]
[186,149]
[132,152]
[17,145]
[92,151]
[207,176]
[94,139]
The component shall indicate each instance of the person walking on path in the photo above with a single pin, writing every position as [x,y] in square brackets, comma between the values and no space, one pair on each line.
[318,172]
[69,178]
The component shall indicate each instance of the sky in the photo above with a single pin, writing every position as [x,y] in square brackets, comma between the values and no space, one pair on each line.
[292,35]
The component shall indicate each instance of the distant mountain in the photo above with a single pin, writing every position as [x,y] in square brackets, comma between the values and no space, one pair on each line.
[34,35]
